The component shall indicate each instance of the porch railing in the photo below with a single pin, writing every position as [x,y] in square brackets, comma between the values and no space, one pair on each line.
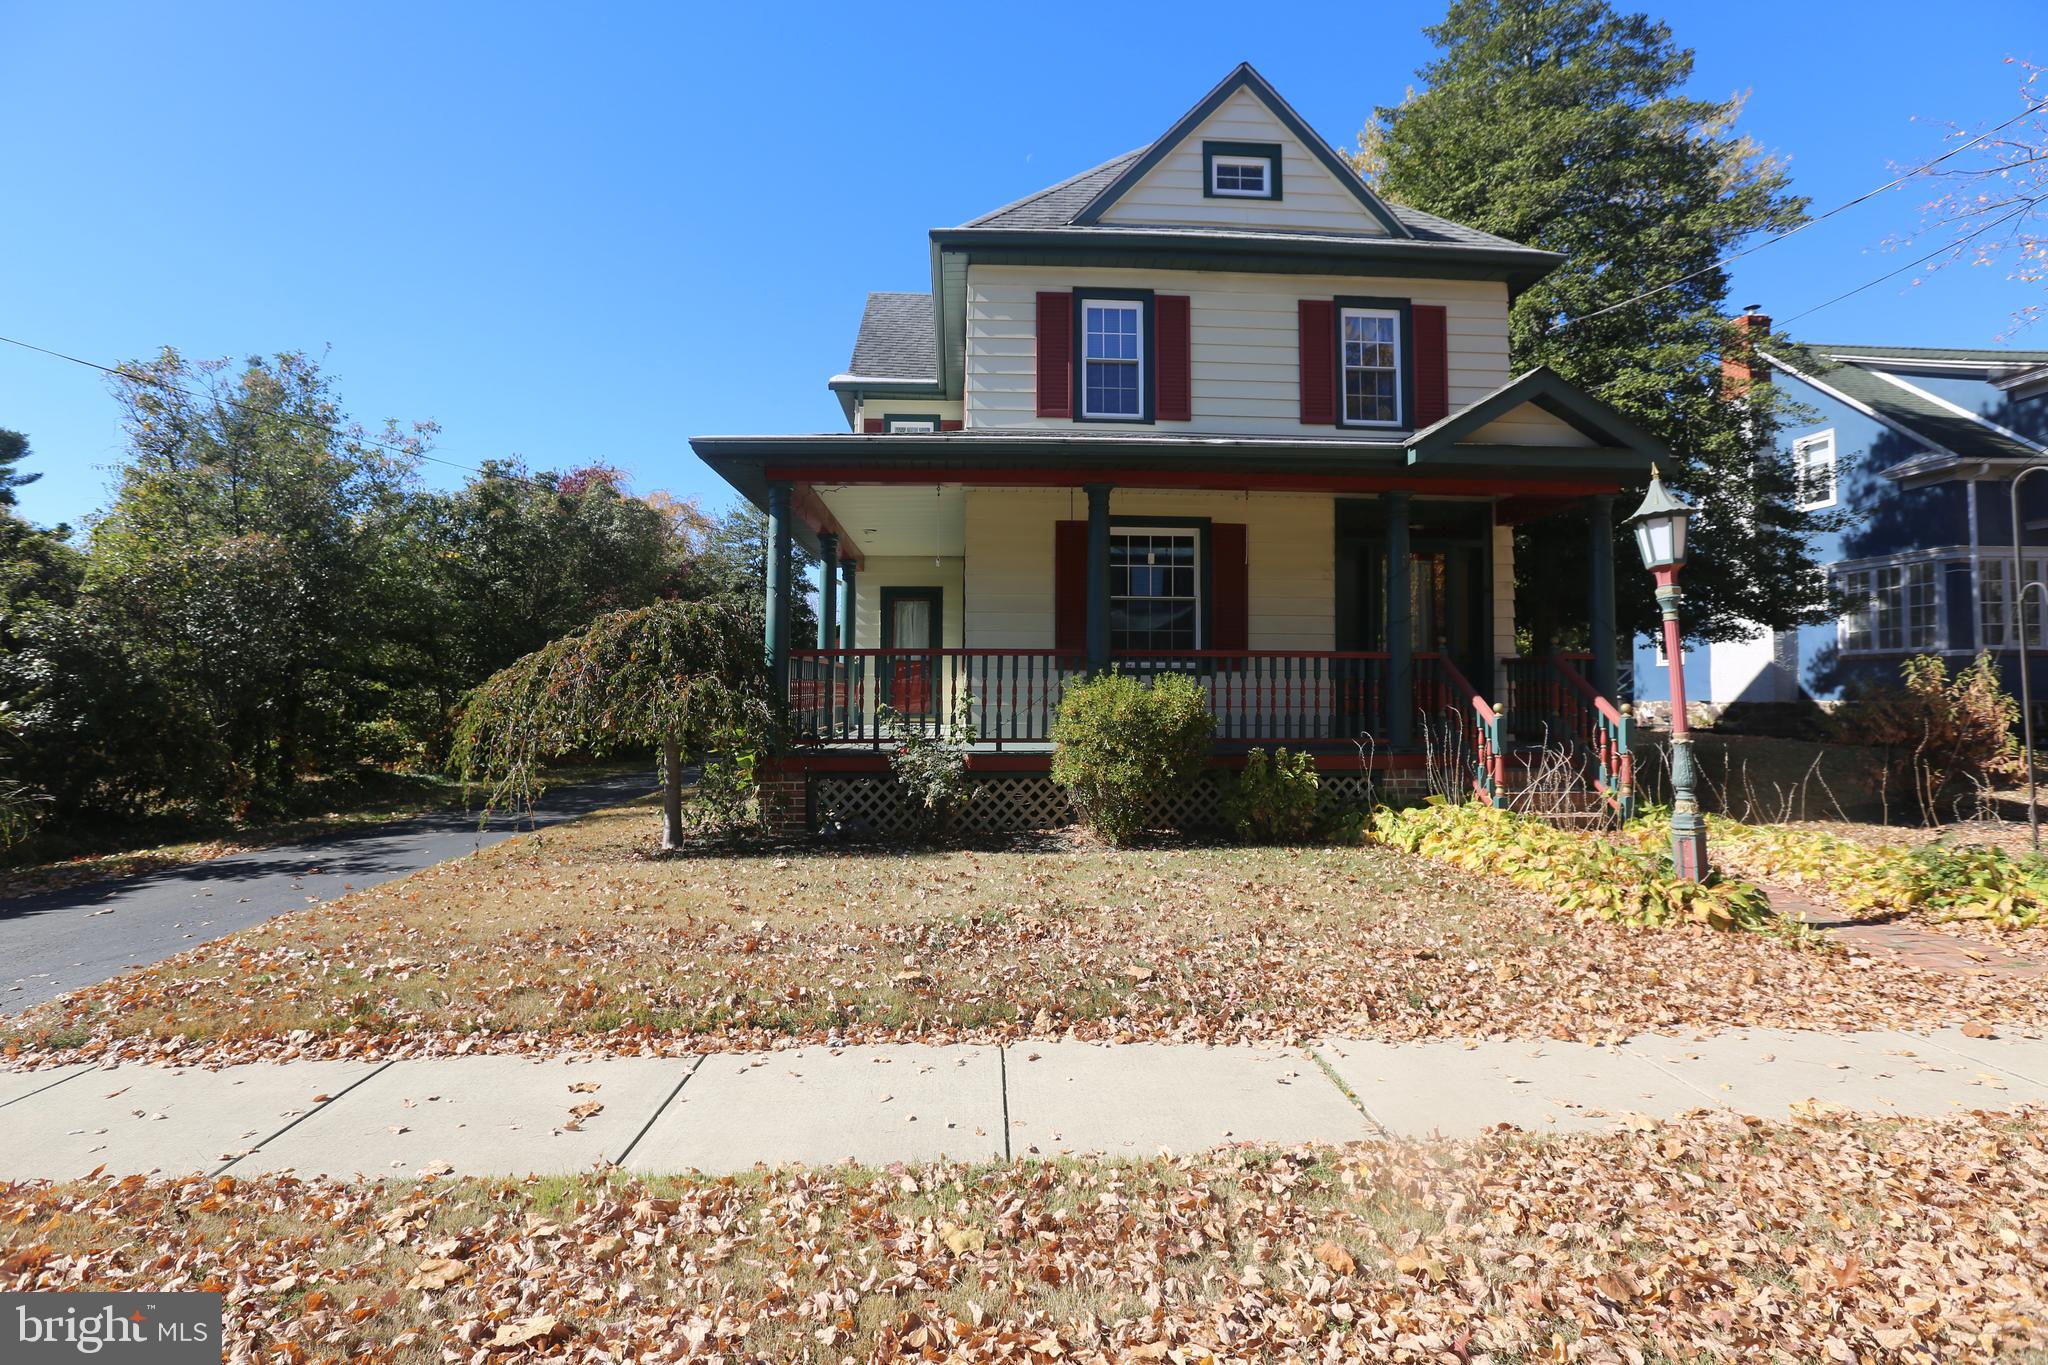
[1472,723]
[836,696]
[1553,701]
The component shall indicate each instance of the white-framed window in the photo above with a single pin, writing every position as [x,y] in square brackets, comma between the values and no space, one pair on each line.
[1813,468]
[1891,607]
[897,426]
[1369,361]
[1155,588]
[1113,359]
[1995,602]
[1241,177]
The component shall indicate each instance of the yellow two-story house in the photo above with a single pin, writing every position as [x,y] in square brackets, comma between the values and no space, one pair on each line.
[1213,406]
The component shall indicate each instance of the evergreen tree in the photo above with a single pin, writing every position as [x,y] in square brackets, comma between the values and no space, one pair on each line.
[1562,124]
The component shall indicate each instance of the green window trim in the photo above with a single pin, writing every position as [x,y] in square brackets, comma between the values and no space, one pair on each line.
[1406,378]
[1148,383]
[891,596]
[1266,151]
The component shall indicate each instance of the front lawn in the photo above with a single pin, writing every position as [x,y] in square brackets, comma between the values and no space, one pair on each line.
[577,937]
[1692,1241]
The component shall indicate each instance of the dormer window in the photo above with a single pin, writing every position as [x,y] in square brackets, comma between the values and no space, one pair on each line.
[1241,170]
[903,426]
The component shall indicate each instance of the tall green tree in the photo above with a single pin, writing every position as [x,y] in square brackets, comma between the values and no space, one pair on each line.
[13,450]
[256,556]
[1563,124]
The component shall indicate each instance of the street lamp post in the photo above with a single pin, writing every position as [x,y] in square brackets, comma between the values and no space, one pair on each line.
[2019,610]
[1660,526]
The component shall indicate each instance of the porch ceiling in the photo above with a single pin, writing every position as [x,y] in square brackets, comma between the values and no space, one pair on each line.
[900,519]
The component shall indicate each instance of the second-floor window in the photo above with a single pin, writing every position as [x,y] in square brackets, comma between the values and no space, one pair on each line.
[1241,177]
[1112,359]
[1369,358]
[1813,466]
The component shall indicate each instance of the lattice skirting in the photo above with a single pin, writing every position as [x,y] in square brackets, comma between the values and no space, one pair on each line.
[1006,802]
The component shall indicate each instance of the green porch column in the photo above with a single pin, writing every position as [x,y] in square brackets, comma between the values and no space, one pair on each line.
[778,588]
[1098,576]
[1400,627]
[846,606]
[828,591]
[1600,610]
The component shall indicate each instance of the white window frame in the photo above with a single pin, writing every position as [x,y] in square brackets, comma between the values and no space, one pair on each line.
[1136,307]
[1265,165]
[906,426]
[1804,465]
[1188,533]
[1344,417]
[1895,607]
[1995,605]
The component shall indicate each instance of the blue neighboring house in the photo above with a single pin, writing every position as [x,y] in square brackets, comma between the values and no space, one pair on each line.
[1920,446]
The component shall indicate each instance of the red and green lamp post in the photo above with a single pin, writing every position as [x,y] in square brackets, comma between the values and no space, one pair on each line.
[1660,527]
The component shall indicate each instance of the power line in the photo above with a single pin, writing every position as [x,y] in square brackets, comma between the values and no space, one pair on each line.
[1956,245]
[134,377]
[1774,238]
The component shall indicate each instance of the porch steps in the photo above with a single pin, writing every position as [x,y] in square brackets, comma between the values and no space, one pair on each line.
[1553,786]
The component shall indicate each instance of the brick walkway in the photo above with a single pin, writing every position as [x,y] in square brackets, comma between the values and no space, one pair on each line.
[1920,948]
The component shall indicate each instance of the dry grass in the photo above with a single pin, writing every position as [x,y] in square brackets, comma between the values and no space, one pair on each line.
[1696,1240]
[576,936]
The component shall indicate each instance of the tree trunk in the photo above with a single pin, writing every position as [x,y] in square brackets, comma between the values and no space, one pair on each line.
[671,794]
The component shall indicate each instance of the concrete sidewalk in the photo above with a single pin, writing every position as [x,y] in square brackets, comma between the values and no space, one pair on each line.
[724,1112]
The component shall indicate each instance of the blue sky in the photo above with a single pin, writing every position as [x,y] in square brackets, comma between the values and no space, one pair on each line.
[586,233]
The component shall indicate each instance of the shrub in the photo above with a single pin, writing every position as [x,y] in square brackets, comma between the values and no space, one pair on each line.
[728,796]
[931,770]
[1940,734]
[1627,882]
[1949,882]
[1121,747]
[1273,800]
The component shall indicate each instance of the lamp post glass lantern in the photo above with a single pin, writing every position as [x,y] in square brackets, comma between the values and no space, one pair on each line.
[1660,526]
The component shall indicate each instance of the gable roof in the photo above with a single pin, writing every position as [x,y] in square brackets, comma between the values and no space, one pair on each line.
[1068,214]
[898,340]
[1242,78]
[1617,440]
[1866,378]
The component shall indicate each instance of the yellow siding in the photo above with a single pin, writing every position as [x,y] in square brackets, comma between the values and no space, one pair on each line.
[1312,200]
[1529,425]
[947,575]
[1245,335]
[946,409]
[1289,540]
[1503,606]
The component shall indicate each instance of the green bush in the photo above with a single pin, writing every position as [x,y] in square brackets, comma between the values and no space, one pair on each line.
[1273,800]
[1121,747]
[932,769]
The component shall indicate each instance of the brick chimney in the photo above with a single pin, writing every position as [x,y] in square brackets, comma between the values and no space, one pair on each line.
[1741,366]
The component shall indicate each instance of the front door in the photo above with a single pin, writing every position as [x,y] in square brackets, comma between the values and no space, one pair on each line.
[910,621]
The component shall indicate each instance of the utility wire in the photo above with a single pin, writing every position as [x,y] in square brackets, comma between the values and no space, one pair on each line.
[135,377]
[1845,205]
[1956,245]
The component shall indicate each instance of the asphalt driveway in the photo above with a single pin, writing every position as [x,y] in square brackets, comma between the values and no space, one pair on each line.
[61,940]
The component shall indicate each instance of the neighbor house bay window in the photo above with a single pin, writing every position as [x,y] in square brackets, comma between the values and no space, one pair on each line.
[1995,603]
[1369,356]
[1155,594]
[1891,607]
[1112,359]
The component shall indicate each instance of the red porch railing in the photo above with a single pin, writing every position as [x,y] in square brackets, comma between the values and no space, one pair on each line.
[836,696]
[1474,725]
[1552,701]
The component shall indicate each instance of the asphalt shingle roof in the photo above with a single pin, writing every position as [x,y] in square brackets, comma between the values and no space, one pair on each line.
[1910,411]
[898,339]
[1056,205]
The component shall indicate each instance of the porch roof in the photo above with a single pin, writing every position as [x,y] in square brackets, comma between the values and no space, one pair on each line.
[1159,459]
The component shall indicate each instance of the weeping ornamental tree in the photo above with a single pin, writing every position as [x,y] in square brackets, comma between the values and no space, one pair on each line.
[685,678]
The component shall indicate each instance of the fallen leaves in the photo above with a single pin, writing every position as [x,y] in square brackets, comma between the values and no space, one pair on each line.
[521,948]
[1831,1238]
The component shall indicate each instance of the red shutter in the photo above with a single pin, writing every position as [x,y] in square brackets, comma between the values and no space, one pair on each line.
[1070,586]
[950,424]
[1229,587]
[1318,363]
[1432,365]
[872,426]
[1173,360]
[1055,355]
